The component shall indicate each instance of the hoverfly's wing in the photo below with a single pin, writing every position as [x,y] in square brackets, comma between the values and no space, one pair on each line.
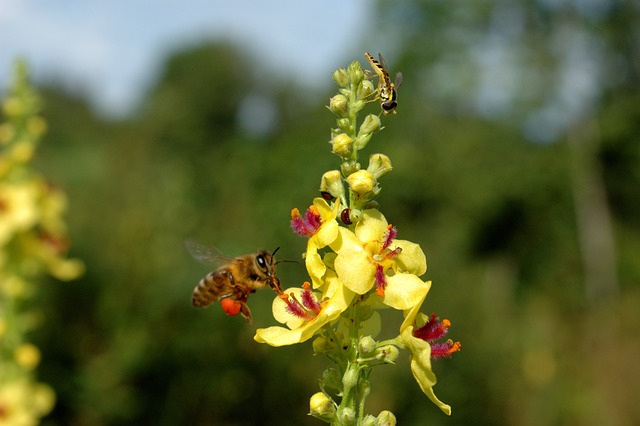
[383,62]
[398,81]
[205,254]
[384,69]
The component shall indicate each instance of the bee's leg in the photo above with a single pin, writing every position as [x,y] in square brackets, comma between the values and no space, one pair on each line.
[245,312]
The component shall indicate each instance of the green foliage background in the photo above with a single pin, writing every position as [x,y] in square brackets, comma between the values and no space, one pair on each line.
[549,331]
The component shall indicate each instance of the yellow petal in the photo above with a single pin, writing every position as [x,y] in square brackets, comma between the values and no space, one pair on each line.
[339,298]
[315,266]
[353,264]
[405,291]
[371,227]
[411,258]
[411,314]
[421,367]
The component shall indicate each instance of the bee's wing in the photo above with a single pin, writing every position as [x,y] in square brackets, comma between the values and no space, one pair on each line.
[205,254]
[398,80]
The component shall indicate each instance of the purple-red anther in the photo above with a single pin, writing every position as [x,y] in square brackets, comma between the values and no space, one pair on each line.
[307,226]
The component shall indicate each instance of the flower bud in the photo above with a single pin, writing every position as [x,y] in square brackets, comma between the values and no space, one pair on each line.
[349,167]
[339,105]
[365,89]
[366,344]
[342,145]
[331,182]
[319,345]
[321,406]
[361,140]
[379,165]
[362,182]
[386,418]
[346,416]
[350,378]
[355,73]
[332,379]
[370,124]
[345,125]
[369,420]
[357,105]
[387,354]
[340,76]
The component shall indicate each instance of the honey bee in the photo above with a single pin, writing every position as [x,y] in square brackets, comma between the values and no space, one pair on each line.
[234,280]
[387,91]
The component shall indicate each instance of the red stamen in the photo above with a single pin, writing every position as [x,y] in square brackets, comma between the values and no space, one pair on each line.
[381,280]
[433,329]
[309,225]
[444,350]
[391,233]
[309,300]
[308,309]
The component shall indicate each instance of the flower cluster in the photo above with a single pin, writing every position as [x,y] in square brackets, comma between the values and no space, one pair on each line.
[356,265]
[33,242]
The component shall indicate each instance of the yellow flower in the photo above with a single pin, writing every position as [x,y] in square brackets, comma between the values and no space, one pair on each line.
[18,208]
[421,342]
[304,313]
[321,227]
[370,256]
[23,403]
[27,356]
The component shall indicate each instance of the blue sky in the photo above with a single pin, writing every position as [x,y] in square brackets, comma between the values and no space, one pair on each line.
[110,49]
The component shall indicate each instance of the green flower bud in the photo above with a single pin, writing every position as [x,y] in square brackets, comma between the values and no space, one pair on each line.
[340,76]
[350,378]
[355,73]
[332,379]
[346,416]
[319,345]
[388,354]
[366,345]
[379,165]
[369,420]
[342,145]
[370,124]
[321,406]
[331,182]
[357,105]
[365,89]
[345,125]
[339,105]
[362,182]
[349,167]
[386,418]
[362,140]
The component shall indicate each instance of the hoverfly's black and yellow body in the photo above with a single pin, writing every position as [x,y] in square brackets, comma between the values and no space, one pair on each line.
[387,91]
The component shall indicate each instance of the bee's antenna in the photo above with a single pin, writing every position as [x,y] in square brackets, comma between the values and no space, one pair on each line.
[274,252]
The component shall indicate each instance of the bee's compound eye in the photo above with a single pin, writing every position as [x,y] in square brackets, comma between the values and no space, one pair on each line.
[262,262]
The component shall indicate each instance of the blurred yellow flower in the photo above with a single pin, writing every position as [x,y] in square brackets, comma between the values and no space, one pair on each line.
[27,356]
[18,208]
[23,403]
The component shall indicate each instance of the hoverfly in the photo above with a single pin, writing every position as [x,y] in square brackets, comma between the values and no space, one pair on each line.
[387,91]
[234,279]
